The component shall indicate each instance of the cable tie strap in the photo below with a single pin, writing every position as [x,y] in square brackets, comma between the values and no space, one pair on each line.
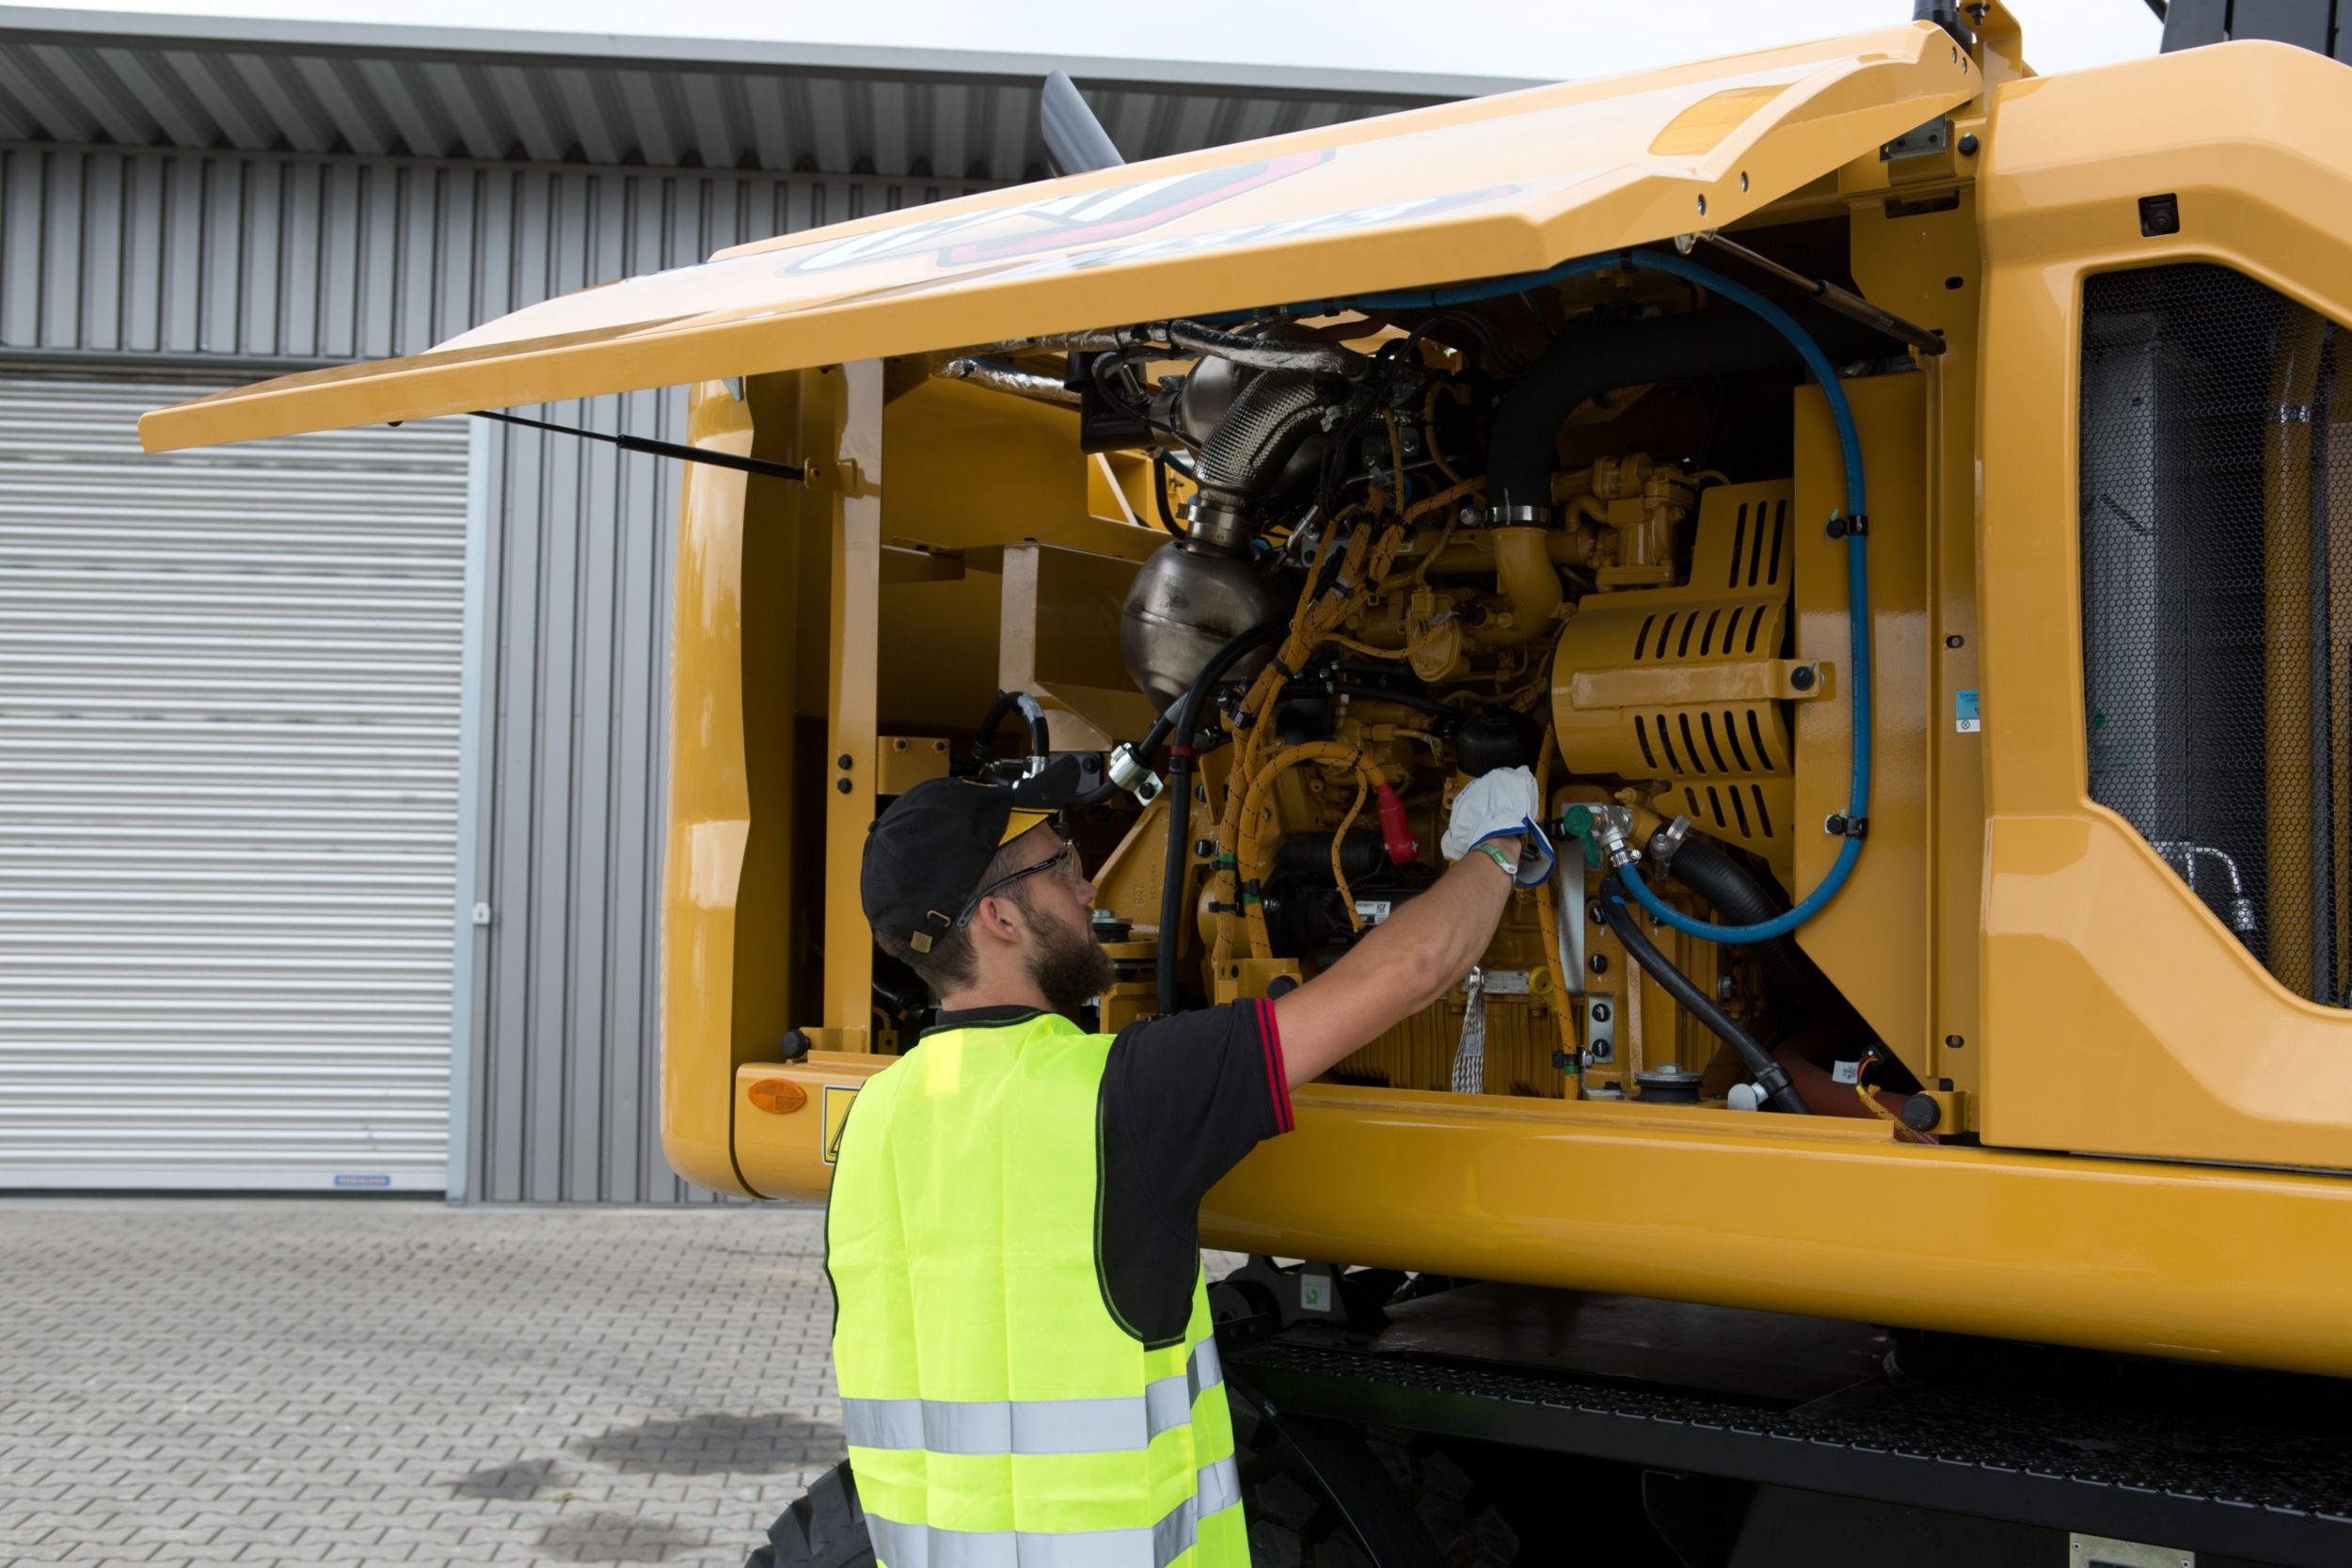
[1249,892]
[1283,670]
[1841,826]
[1228,861]
[1858,526]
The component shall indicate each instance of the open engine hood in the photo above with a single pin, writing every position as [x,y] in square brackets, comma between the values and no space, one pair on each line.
[1492,187]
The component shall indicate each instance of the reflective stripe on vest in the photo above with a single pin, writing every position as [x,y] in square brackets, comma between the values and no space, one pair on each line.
[898,1546]
[1035,1426]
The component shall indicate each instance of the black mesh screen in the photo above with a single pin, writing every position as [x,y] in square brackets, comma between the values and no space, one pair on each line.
[2216,540]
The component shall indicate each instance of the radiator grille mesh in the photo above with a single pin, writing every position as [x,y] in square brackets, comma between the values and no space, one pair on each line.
[2217,569]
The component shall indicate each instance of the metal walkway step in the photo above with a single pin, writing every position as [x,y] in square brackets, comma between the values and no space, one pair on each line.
[2270,1480]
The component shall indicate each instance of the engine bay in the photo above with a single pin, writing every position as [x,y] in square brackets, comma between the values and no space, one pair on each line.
[1417,537]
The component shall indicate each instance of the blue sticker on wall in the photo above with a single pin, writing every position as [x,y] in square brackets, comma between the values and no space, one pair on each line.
[1966,718]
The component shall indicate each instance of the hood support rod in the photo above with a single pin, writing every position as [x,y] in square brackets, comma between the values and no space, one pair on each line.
[651,448]
[1840,300]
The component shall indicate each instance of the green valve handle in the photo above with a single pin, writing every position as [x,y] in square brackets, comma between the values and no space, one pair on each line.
[1577,823]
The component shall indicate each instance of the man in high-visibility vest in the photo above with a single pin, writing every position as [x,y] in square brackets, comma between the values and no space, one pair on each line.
[1022,1330]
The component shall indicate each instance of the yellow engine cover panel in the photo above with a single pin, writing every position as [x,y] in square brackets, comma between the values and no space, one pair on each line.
[1495,185]
[2121,1016]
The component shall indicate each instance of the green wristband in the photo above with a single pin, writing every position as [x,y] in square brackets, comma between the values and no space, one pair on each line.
[1494,852]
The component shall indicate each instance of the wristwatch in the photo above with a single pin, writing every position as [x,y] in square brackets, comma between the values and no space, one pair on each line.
[1495,853]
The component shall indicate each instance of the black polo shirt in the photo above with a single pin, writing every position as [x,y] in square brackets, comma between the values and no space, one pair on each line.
[1182,1100]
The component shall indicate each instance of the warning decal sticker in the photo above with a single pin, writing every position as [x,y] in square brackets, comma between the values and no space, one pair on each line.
[836,1108]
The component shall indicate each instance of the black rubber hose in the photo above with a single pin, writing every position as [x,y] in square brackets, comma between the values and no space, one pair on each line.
[1403,699]
[1271,353]
[1583,361]
[1159,494]
[1742,900]
[1316,690]
[986,738]
[1362,855]
[1770,1077]
[1041,738]
[1186,726]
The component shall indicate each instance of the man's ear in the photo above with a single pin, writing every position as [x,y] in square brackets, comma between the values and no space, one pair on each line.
[1001,918]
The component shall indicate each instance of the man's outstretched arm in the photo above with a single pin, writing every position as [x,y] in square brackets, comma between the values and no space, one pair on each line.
[1401,966]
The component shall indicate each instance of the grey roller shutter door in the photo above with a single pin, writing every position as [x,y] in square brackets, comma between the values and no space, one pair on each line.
[229,689]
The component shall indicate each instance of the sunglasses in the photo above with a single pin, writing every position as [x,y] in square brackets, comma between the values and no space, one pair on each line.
[1059,857]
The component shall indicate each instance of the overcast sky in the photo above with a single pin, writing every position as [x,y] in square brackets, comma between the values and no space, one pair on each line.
[1548,39]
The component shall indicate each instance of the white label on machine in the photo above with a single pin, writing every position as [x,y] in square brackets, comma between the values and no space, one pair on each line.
[1314,1293]
[1372,912]
[1846,1072]
[1505,982]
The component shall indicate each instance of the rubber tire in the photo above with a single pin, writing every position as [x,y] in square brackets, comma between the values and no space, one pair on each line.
[826,1529]
[1291,1525]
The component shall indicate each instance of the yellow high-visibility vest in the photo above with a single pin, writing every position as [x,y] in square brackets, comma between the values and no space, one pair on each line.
[998,1412]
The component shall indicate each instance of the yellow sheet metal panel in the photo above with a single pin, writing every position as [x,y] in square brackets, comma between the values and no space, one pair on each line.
[2238,1266]
[711,809]
[1774,1212]
[1926,265]
[973,469]
[1465,190]
[2121,1016]
[1872,938]
[790,1153]
[902,762]
[854,392]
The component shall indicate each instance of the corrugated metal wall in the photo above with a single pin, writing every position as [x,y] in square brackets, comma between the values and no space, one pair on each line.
[229,708]
[255,261]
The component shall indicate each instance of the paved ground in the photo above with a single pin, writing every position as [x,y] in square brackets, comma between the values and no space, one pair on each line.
[307,1381]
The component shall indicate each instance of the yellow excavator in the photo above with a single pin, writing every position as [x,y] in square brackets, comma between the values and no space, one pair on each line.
[1890,499]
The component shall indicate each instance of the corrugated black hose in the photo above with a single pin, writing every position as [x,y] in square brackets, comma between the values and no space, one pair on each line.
[1768,1073]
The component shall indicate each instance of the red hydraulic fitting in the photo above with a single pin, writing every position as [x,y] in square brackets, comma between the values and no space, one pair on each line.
[1393,828]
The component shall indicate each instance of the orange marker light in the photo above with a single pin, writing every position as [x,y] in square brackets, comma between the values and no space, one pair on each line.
[778,1097]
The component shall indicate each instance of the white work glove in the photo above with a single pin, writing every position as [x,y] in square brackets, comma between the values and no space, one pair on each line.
[1501,804]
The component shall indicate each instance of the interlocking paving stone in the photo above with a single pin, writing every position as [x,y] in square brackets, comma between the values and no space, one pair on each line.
[305,1381]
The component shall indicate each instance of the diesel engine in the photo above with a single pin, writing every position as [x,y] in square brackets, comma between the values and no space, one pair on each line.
[1416,538]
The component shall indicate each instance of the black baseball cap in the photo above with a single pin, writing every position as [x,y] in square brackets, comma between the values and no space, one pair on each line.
[928,851]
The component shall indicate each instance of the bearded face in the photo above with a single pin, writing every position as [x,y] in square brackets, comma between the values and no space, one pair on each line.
[1066,963]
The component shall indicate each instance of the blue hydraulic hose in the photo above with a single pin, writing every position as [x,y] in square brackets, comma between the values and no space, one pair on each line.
[1857,547]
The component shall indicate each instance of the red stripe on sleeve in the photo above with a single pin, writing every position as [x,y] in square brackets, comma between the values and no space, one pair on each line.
[1278,1074]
